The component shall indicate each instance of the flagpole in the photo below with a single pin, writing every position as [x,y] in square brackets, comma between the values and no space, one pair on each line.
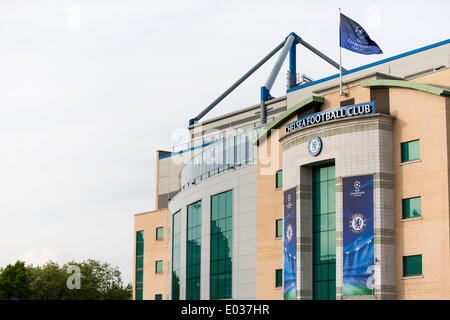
[340,56]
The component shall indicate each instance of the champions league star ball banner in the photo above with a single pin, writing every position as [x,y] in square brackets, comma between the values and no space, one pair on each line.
[358,255]
[290,251]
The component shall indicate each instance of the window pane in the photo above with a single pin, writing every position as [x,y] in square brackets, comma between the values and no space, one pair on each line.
[331,221]
[316,198]
[320,290]
[229,203]
[323,173]
[140,262]
[158,296]
[412,208]
[330,172]
[332,196]
[323,197]
[320,222]
[279,278]
[412,265]
[332,290]
[279,228]
[140,276]
[139,236]
[279,179]
[159,266]
[320,272]
[228,224]
[332,271]
[139,295]
[159,233]
[139,248]
[410,150]
[228,282]
[222,202]
[215,208]
[332,246]
[320,246]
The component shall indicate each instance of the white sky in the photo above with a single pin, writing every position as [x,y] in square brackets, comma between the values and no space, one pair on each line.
[89,90]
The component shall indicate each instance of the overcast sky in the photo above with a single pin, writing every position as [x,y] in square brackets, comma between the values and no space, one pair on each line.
[90,89]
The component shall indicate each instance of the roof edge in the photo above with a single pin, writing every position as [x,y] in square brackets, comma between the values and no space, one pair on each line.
[407,85]
[398,56]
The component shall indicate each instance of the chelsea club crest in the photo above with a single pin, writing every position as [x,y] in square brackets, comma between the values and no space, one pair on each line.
[357,223]
[289,233]
[314,146]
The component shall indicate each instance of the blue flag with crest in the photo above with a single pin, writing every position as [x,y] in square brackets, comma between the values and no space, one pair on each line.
[353,37]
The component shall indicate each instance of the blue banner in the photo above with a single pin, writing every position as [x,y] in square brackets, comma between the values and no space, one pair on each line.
[353,37]
[358,247]
[290,247]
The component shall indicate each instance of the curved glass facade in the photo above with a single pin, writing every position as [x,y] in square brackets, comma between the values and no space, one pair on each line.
[224,155]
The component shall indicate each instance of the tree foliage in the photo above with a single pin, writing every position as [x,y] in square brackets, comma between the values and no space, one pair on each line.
[97,281]
[14,282]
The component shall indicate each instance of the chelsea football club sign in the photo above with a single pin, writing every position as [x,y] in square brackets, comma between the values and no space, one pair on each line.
[355,110]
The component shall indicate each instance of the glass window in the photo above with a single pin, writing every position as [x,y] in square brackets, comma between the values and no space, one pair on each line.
[159,266]
[279,179]
[193,250]
[279,278]
[140,262]
[159,233]
[139,276]
[158,296]
[324,233]
[412,266]
[221,245]
[139,265]
[176,255]
[279,228]
[139,295]
[410,150]
[411,208]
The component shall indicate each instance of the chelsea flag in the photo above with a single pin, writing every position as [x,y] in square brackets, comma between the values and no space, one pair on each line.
[354,38]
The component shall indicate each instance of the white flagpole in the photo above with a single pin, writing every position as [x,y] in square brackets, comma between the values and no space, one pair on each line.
[340,56]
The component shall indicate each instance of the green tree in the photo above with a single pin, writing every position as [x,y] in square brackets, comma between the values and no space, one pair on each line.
[47,282]
[98,281]
[14,282]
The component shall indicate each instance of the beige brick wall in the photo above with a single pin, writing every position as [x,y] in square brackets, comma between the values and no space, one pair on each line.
[154,283]
[269,208]
[422,116]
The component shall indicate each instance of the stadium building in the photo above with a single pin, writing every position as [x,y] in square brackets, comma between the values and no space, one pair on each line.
[312,195]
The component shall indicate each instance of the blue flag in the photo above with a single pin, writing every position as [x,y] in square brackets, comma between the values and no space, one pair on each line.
[353,37]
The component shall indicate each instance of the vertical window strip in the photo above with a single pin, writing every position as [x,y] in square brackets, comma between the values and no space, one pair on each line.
[221,246]
[324,233]
[139,281]
[193,250]
[176,255]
